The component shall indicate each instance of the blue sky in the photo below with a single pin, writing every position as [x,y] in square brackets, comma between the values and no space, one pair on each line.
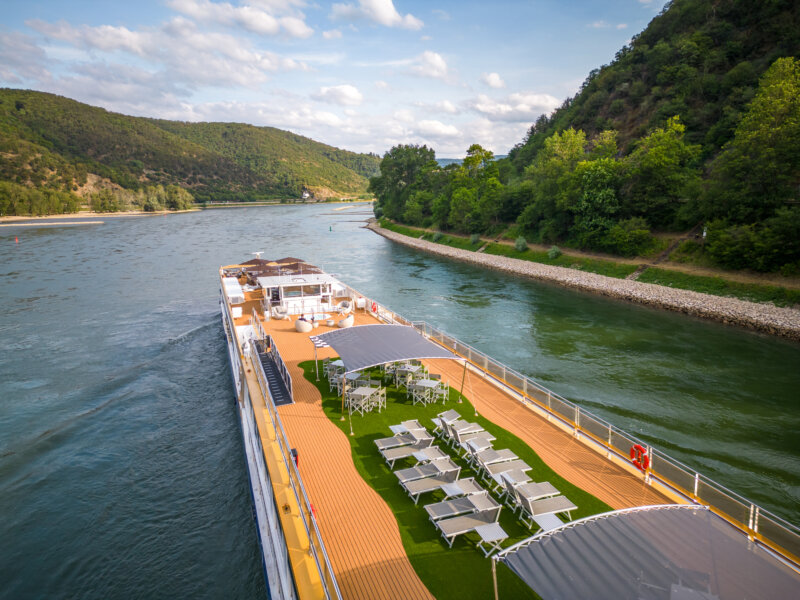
[357,74]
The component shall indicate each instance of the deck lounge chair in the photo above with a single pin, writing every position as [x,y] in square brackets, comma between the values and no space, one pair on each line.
[462,487]
[390,455]
[455,526]
[530,490]
[479,442]
[494,471]
[429,484]
[445,417]
[459,506]
[490,456]
[533,509]
[457,430]
[429,454]
[431,469]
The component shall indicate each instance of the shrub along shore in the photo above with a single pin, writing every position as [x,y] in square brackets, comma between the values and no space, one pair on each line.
[784,322]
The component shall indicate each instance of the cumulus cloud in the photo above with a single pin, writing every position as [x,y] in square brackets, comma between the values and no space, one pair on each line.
[381,12]
[344,95]
[381,85]
[21,59]
[493,80]
[332,34]
[517,107]
[430,64]
[177,48]
[606,25]
[260,20]
[434,128]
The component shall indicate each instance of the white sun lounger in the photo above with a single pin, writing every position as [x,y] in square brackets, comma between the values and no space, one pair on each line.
[390,455]
[429,484]
[431,469]
[546,506]
[455,526]
[405,439]
[462,487]
[445,417]
[460,506]
[495,471]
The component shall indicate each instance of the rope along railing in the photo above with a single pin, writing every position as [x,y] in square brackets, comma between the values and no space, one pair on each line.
[759,524]
[308,518]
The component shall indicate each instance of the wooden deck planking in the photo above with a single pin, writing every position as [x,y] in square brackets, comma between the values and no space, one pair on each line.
[359,529]
[563,453]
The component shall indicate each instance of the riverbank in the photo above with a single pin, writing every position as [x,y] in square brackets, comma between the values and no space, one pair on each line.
[784,322]
[92,214]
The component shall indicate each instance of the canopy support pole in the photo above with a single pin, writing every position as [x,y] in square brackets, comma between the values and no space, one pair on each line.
[463,377]
[494,578]
[343,391]
[316,364]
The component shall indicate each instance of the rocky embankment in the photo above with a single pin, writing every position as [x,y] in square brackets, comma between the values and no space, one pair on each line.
[767,318]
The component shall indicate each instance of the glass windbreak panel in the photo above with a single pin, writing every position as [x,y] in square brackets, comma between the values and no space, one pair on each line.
[311,290]
[673,473]
[561,407]
[495,369]
[597,428]
[779,534]
[293,291]
[722,501]
[621,442]
[536,393]
[514,380]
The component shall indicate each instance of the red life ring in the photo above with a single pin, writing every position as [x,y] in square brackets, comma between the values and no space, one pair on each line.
[639,457]
[374,307]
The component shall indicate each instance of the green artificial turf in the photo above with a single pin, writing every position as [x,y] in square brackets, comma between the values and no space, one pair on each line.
[461,571]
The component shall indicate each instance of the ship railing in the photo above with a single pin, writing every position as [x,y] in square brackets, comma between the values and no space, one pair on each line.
[759,524]
[316,546]
[257,327]
[265,344]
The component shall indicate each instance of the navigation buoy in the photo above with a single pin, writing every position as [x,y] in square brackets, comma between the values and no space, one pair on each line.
[16,240]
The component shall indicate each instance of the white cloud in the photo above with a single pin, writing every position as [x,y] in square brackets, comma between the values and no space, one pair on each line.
[430,64]
[436,129]
[344,95]
[332,34]
[442,14]
[622,25]
[493,80]
[404,116]
[606,25]
[381,12]
[251,18]
[447,106]
[381,85]
[177,53]
[21,59]
[517,107]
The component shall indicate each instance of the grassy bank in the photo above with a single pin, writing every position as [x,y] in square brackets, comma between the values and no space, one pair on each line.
[714,285]
[718,286]
[460,571]
[591,265]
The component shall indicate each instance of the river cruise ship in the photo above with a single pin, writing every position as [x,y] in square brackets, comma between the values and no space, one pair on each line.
[387,459]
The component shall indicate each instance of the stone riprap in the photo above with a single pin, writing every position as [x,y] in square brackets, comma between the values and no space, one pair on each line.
[767,318]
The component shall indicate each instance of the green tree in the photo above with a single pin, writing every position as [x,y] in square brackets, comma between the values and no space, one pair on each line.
[402,172]
[759,169]
[462,210]
[662,174]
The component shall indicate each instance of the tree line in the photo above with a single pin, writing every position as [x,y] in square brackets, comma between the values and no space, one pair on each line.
[585,192]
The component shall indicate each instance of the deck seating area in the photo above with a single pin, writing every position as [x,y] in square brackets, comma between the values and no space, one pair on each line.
[466,506]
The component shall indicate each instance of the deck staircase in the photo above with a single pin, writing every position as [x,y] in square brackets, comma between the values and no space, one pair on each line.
[280,394]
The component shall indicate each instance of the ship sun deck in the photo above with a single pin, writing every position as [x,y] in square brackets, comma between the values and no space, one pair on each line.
[379,543]
[359,529]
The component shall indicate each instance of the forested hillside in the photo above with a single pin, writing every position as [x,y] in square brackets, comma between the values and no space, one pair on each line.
[66,150]
[695,122]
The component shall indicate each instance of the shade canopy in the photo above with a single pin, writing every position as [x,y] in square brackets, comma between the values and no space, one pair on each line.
[673,552]
[369,345]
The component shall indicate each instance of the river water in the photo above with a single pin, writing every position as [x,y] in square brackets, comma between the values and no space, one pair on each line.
[121,468]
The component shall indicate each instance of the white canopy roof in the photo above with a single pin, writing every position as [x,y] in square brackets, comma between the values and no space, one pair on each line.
[671,552]
[369,345]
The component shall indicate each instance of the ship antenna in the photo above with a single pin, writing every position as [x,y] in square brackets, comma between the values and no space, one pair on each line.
[257,255]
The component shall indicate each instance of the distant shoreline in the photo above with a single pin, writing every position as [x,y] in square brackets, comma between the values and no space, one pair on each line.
[766,318]
[92,214]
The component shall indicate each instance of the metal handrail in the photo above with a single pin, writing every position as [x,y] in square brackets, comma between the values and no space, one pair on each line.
[703,490]
[316,544]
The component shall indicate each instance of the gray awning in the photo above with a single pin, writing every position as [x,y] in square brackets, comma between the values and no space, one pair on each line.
[369,345]
[650,553]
